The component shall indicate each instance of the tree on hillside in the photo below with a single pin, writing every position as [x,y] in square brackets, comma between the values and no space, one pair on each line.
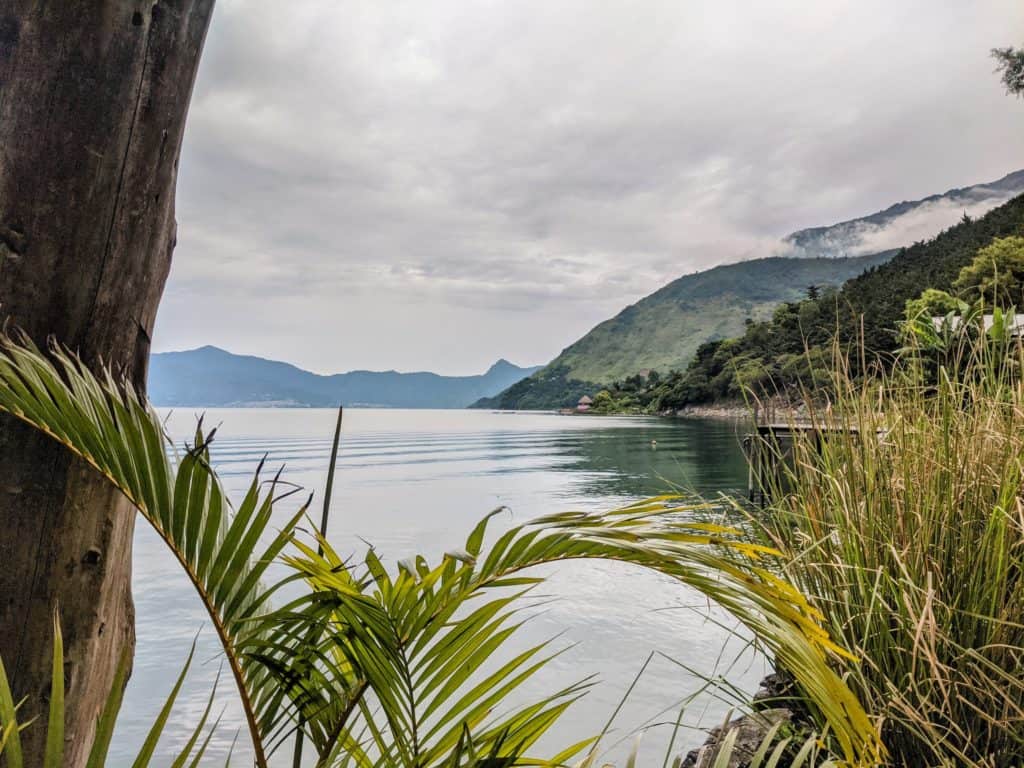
[92,111]
[929,321]
[933,303]
[1010,66]
[996,275]
[603,402]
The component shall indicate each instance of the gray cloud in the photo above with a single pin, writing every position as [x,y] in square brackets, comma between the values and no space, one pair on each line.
[919,223]
[434,185]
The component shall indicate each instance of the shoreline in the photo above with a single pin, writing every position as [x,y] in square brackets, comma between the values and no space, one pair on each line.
[721,411]
[776,410]
[726,411]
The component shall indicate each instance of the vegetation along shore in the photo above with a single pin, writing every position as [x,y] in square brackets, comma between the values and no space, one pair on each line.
[790,352]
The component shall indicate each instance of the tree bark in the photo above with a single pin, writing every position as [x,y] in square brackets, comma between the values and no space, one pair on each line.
[93,99]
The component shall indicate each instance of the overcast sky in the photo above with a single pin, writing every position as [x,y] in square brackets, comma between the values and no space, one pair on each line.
[432,185]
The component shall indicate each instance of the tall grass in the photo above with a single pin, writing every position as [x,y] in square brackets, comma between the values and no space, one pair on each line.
[903,519]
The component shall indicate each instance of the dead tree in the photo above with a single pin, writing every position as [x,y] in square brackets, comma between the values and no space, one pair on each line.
[93,98]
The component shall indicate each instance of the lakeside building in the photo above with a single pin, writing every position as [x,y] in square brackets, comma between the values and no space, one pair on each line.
[1014,323]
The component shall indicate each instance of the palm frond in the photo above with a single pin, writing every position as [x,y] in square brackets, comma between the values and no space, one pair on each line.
[105,423]
[405,666]
[54,754]
[384,669]
[415,639]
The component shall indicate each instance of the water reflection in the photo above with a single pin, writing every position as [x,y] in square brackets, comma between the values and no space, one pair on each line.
[650,458]
[416,481]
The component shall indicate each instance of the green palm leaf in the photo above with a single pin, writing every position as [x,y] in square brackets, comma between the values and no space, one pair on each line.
[54,755]
[385,669]
[120,435]
[10,741]
[420,643]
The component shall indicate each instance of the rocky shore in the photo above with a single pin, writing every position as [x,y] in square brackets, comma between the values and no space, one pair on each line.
[736,411]
[777,410]
[772,706]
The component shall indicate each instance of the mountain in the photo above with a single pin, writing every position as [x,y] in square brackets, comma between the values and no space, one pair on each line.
[210,377]
[663,331]
[903,223]
[792,349]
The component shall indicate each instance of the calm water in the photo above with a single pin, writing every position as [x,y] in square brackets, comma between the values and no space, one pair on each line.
[416,481]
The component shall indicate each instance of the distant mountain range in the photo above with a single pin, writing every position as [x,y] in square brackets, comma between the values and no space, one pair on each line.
[211,377]
[662,331]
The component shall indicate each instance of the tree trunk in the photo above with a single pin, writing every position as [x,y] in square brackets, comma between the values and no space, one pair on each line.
[93,98]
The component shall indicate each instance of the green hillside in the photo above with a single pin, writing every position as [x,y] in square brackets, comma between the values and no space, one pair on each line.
[757,304]
[663,331]
[784,351]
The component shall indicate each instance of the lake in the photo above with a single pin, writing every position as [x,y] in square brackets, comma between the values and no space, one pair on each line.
[416,482]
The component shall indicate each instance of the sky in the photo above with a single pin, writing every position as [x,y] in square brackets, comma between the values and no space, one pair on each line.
[435,185]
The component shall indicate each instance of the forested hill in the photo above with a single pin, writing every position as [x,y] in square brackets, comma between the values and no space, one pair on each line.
[905,222]
[209,376]
[664,330]
[773,354]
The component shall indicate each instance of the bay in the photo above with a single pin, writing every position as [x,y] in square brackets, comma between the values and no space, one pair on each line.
[416,481]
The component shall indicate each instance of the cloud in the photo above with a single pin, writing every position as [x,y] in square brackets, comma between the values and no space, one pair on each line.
[913,223]
[435,185]
[921,223]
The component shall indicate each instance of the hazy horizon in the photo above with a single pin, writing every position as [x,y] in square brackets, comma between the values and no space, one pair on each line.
[496,361]
[433,188]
